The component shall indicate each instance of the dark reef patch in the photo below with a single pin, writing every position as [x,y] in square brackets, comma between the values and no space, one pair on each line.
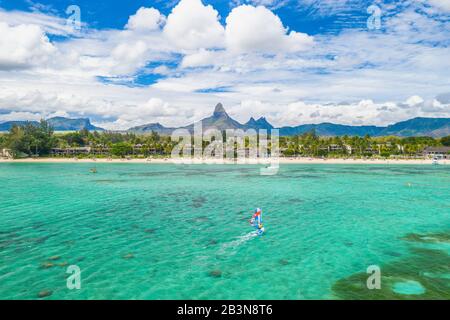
[200,219]
[424,274]
[198,202]
[40,239]
[283,262]
[53,258]
[428,238]
[47,265]
[215,273]
[393,253]
[348,243]
[212,242]
[128,256]
[44,294]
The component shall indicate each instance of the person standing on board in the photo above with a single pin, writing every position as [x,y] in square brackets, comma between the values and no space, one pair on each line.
[256,221]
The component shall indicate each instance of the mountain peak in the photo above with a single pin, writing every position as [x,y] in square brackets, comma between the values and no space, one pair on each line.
[261,123]
[262,120]
[251,121]
[219,110]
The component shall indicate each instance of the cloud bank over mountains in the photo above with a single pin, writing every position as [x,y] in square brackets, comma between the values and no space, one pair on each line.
[171,68]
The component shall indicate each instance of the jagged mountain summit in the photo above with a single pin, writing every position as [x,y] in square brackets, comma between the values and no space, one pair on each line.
[434,127]
[219,120]
[261,123]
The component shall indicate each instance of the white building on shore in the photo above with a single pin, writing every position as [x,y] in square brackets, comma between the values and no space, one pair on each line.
[437,152]
[5,153]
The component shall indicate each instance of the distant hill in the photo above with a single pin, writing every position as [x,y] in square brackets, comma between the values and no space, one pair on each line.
[148,128]
[5,126]
[58,124]
[432,127]
[330,129]
[66,124]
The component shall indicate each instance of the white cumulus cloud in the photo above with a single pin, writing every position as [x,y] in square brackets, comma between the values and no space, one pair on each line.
[414,100]
[257,29]
[192,25]
[23,46]
[146,19]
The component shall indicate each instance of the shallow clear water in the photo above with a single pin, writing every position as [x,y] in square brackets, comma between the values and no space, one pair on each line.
[409,287]
[141,231]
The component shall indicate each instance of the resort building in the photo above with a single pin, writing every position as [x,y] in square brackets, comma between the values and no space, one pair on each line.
[5,153]
[71,151]
[102,150]
[334,148]
[437,152]
[348,148]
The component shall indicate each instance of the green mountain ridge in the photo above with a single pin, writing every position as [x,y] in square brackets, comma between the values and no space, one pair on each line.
[433,127]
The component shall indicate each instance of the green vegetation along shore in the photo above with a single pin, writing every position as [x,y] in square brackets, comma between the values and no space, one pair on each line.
[30,140]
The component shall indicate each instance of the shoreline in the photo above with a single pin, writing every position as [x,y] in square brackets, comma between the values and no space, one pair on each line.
[248,161]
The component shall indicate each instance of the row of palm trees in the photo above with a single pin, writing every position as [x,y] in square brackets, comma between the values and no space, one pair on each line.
[308,144]
[312,145]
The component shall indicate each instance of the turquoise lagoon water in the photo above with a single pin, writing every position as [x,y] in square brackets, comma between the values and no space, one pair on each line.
[150,231]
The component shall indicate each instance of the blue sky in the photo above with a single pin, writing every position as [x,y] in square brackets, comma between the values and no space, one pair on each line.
[311,17]
[293,61]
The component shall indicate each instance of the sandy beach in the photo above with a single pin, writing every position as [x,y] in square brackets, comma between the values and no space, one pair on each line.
[247,161]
